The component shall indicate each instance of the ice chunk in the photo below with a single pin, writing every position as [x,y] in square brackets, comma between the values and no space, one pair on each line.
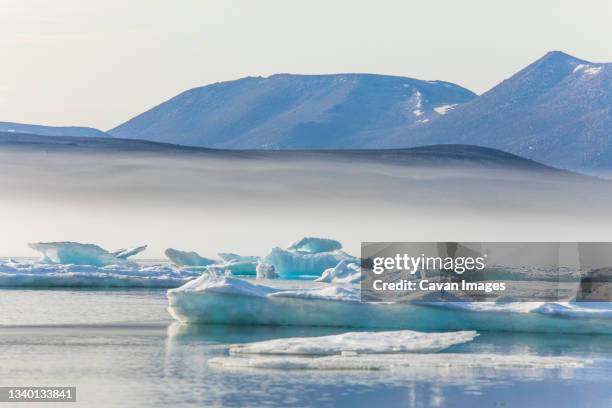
[401,361]
[229,257]
[290,263]
[265,271]
[345,272]
[403,341]
[229,300]
[80,254]
[182,258]
[315,245]
[240,268]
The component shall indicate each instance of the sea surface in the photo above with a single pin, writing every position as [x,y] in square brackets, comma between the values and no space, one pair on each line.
[121,348]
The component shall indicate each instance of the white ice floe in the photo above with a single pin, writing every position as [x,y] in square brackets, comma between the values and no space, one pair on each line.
[229,300]
[37,275]
[402,341]
[184,258]
[76,253]
[345,272]
[400,361]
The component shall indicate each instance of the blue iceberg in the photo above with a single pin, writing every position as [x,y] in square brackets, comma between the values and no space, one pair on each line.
[75,253]
[229,300]
[308,257]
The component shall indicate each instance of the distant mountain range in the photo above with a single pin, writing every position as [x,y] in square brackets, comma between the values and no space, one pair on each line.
[74,131]
[557,110]
[296,112]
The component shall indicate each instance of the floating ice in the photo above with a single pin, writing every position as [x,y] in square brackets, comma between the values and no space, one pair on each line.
[265,271]
[37,275]
[315,245]
[403,341]
[241,268]
[291,264]
[229,257]
[229,300]
[182,258]
[81,254]
[399,361]
[345,272]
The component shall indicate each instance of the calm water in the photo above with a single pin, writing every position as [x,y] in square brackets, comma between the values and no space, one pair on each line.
[120,348]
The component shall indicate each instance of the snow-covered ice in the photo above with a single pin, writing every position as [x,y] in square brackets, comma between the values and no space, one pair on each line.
[345,272]
[401,361]
[81,254]
[38,275]
[403,341]
[311,259]
[230,300]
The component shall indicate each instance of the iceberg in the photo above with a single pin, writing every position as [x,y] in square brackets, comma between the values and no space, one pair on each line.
[345,272]
[183,258]
[236,268]
[239,264]
[403,341]
[401,361]
[230,300]
[76,253]
[315,245]
[293,264]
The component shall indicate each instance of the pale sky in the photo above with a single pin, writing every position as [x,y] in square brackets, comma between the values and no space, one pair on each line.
[100,62]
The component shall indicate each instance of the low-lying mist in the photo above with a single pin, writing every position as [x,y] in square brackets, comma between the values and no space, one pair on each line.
[247,202]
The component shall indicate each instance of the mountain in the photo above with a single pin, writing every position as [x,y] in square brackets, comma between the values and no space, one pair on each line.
[296,111]
[76,131]
[557,111]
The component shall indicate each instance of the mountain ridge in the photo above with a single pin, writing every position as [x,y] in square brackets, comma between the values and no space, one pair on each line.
[556,110]
[293,111]
[44,130]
